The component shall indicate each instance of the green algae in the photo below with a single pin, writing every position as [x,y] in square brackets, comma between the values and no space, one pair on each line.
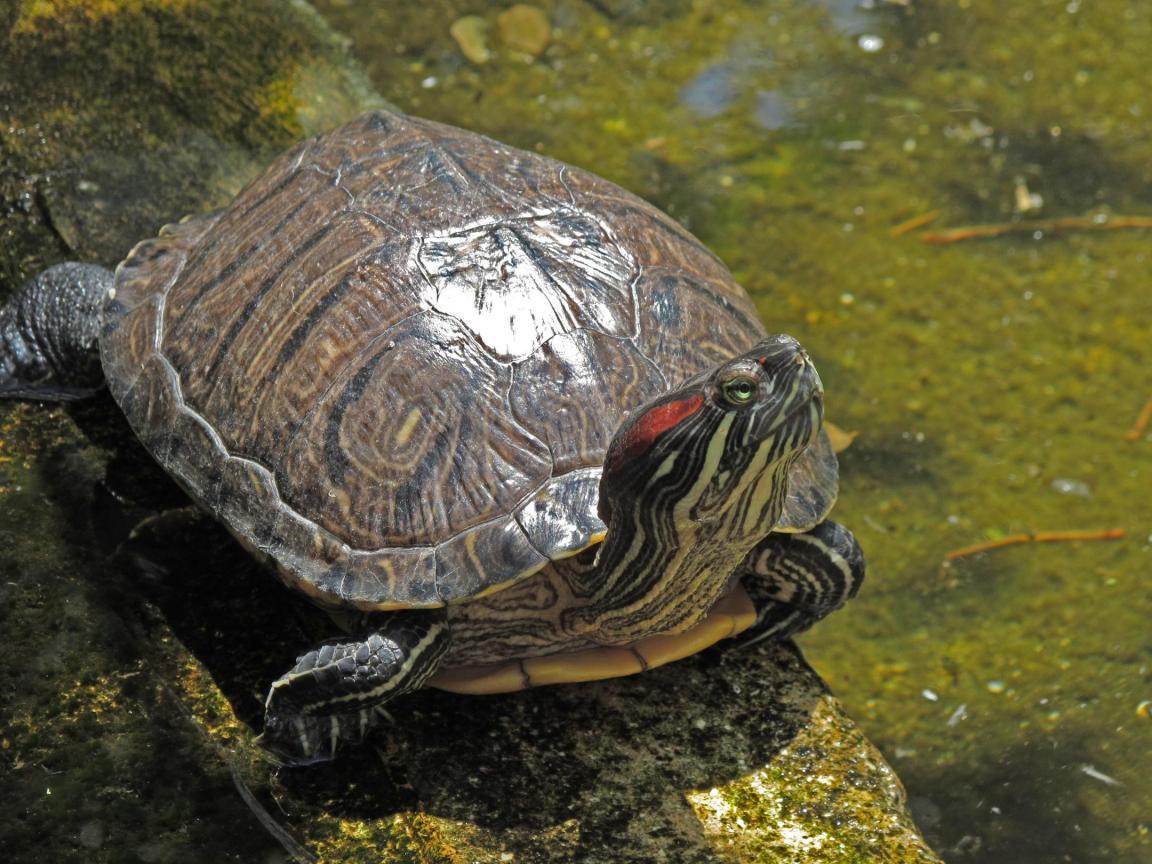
[978,375]
[85,779]
[105,103]
[584,773]
[849,809]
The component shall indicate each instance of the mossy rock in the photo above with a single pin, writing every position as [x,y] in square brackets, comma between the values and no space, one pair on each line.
[120,117]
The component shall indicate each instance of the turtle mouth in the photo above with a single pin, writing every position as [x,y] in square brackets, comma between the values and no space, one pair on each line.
[801,407]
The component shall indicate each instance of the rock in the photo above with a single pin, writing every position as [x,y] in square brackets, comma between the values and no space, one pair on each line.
[828,795]
[525,29]
[92,834]
[471,34]
[95,157]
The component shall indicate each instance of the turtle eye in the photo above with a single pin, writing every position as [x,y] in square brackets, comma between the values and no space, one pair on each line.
[739,392]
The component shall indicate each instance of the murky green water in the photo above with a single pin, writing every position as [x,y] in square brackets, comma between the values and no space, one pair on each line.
[991,381]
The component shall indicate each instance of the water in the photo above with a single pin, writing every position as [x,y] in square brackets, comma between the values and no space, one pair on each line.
[991,381]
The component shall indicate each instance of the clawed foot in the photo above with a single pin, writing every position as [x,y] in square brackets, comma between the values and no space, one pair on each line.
[797,579]
[333,695]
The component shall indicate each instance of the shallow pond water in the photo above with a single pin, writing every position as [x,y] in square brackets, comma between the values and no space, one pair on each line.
[815,146]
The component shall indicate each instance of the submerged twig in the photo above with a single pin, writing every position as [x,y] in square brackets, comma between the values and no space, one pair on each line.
[278,832]
[1141,426]
[915,222]
[1043,226]
[1030,537]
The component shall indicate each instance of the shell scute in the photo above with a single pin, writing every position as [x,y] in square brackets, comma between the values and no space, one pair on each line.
[413,442]
[559,391]
[389,579]
[484,559]
[517,282]
[686,325]
[253,499]
[563,518]
[152,397]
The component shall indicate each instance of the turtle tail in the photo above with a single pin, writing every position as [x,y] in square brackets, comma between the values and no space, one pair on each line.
[48,333]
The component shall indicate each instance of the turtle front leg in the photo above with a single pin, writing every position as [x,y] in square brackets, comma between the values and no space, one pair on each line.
[333,693]
[48,333]
[794,580]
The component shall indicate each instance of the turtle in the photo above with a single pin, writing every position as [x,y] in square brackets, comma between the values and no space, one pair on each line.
[509,423]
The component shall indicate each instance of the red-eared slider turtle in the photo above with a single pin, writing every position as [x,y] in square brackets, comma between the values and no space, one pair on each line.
[521,423]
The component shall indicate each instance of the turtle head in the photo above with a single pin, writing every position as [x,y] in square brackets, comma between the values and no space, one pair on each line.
[691,483]
[719,448]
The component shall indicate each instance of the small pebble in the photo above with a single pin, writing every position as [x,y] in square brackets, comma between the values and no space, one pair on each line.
[471,35]
[1095,774]
[995,686]
[930,695]
[525,29]
[1072,487]
[92,834]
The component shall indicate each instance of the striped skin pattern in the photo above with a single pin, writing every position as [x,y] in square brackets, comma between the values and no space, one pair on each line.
[402,345]
[683,514]
[797,579]
[690,487]
[328,698]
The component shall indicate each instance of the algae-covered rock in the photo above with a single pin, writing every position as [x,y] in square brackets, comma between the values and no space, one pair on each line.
[136,670]
[471,34]
[525,29]
[119,117]
[827,794]
[733,755]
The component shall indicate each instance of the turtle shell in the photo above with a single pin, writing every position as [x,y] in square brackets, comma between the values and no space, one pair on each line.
[395,362]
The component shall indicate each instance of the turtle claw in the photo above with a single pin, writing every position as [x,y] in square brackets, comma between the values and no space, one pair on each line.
[299,740]
[331,697]
[796,579]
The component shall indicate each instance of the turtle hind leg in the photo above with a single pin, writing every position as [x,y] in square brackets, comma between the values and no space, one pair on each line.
[332,694]
[794,580]
[48,332]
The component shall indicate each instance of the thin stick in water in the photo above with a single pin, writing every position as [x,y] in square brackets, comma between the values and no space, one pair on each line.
[1141,425]
[1030,537]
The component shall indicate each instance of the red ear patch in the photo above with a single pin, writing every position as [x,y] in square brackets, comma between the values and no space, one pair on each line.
[650,426]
